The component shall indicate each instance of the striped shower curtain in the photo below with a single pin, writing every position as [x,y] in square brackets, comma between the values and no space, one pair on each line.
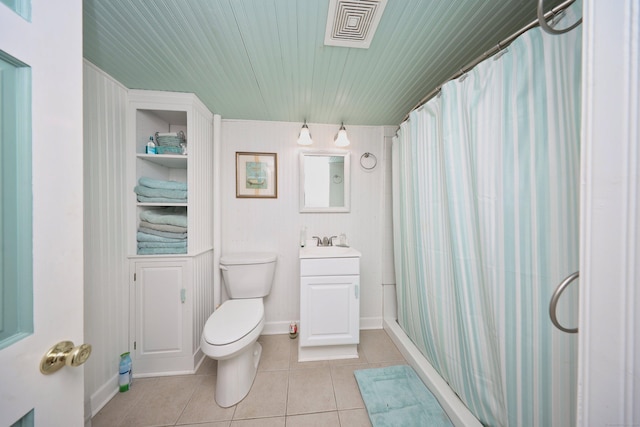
[485,212]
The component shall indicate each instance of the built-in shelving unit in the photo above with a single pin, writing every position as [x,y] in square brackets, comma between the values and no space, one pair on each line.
[171,294]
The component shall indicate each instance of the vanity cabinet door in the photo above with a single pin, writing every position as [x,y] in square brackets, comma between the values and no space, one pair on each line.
[161,316]
[329,310]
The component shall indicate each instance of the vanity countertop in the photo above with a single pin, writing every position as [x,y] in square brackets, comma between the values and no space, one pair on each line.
[329,252]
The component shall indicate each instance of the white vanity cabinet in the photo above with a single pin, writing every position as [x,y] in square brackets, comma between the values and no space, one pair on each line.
[329,305]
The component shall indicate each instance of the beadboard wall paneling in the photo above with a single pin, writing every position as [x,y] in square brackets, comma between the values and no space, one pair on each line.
[200,180]
[203,297]
[106,296]
[274,224]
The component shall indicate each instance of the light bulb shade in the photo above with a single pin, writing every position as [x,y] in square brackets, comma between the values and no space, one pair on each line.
[341,139]
[305,136]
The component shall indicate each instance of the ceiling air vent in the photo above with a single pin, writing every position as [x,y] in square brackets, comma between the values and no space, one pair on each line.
[353,23]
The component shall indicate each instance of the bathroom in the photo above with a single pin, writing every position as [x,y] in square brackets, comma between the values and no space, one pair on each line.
[106,278]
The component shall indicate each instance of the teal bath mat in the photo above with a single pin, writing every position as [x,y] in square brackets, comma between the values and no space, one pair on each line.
[395,396]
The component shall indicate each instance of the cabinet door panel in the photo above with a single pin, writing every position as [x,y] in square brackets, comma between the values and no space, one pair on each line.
[329,310]
[160,314]
[160,309]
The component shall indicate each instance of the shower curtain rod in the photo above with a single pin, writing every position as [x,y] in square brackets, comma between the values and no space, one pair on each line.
[496,49]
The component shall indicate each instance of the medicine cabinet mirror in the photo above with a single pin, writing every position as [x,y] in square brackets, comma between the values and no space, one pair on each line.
[324,181]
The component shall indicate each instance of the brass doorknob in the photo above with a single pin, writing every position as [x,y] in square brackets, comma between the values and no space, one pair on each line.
[64,353]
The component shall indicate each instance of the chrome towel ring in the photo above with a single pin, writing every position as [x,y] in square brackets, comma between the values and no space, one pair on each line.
[548,28]
[554,302]
[368,161]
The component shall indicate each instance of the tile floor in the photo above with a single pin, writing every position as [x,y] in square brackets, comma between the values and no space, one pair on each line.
[284,393]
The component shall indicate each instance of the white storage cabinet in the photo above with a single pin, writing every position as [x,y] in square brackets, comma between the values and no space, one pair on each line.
[171,294]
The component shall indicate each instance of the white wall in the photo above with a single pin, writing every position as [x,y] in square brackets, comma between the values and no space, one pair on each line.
[106,269]
[609,337]
[274,224]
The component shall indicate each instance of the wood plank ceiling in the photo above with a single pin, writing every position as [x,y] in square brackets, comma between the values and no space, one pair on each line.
[266,59]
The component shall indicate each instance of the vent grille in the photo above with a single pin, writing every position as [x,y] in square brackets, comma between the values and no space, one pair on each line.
[352,23]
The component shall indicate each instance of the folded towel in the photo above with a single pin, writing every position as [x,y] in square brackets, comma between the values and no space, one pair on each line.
[182,244]
[160,192]
[164,200]
[161,251]
[167,234]
[163,227]
[171,216]
[167,185]
[141,236]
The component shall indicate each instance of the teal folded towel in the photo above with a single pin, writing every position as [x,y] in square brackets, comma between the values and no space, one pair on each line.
[146,237]
[141,190]
[159,233]
[161,251]
[166,185]
[171,216]
[182,244]
[165,200]
[163,227]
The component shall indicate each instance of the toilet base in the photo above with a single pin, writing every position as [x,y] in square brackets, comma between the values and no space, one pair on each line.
[236,375]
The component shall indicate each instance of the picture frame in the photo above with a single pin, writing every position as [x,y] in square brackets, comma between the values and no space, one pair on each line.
[256,175]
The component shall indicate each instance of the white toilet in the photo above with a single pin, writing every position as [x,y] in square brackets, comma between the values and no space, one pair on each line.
[231,333]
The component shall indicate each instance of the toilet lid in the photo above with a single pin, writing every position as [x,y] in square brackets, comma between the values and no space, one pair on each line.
[247,258]
[233,320]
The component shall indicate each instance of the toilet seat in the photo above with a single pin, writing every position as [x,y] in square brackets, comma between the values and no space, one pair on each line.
[232,321]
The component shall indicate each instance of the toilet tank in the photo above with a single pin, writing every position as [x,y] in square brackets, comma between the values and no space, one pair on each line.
[248,274]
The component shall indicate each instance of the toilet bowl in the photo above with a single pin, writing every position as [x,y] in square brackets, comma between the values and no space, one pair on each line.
[231,333]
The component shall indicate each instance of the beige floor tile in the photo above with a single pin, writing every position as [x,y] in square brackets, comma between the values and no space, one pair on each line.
[360,360]
[345,387]
[318,419]
[116,410]
[267,397]
[202,406]
[260,422]
[275,352]
[294,364]
[208,367]
[165,404]
[354,418]
[378,347]
[310,390]
[285,392]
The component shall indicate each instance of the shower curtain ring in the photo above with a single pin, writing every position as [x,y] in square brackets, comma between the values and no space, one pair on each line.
[546,27]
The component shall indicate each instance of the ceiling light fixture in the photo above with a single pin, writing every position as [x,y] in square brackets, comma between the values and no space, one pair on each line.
[305,136]
[341,139]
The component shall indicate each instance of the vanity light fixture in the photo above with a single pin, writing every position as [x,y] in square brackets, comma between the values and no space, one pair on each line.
[305,137]
[341,139]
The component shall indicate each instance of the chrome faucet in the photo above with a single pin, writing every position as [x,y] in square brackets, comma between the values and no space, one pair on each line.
[324,241]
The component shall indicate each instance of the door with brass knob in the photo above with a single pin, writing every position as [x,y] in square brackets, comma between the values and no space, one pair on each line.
[41,214]
[64,354]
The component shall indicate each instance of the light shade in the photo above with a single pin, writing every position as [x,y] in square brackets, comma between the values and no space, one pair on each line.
[341,139]
[305,136]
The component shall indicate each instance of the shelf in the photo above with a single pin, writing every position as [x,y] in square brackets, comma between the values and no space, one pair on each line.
[161,205]
[175,161]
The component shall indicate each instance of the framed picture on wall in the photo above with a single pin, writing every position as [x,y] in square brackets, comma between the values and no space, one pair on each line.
[256,175]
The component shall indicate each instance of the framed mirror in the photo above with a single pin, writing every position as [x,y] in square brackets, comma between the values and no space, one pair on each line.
[324,181]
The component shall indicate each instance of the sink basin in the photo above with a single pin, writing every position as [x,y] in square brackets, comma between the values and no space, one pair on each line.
[329,252]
